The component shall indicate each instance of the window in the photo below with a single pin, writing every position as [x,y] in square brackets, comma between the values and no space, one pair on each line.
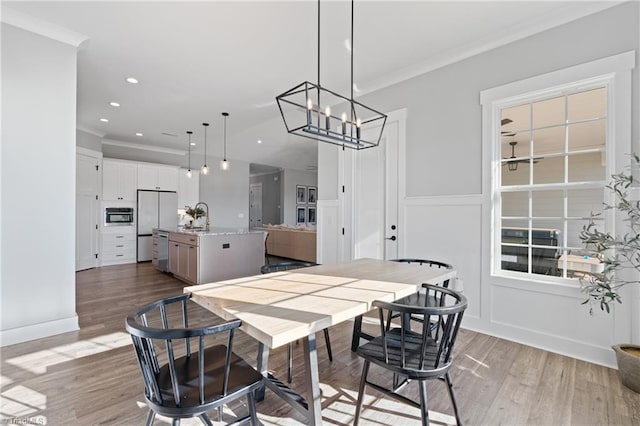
[553,150]
[551,143]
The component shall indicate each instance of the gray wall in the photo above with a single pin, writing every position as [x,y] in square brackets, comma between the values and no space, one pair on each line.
[291,179]
[271,196]
[226,193]
[89,141]
[443,123]
[38,186]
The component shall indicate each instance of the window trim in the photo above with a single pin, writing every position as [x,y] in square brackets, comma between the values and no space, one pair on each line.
[615,73]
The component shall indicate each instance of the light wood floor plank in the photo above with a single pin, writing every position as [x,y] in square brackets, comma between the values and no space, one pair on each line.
[91,377]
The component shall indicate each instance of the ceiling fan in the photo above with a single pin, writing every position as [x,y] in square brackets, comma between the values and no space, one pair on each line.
[504,122]
[513,164]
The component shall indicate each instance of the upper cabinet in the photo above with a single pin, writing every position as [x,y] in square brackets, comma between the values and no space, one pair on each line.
[157,177]
[119,180]
[189,189]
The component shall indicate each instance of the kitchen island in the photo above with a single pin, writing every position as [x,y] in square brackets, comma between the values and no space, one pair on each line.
[199,256]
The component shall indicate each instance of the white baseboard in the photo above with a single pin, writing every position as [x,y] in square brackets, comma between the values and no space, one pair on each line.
[574,349]
[38,331]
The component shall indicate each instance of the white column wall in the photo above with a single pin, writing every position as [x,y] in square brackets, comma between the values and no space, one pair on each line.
[38,186]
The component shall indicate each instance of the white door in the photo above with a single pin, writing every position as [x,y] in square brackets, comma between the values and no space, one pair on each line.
[255,205]
[375,197]
[87,211]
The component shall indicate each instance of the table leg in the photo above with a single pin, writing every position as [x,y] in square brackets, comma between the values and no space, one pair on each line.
[263,366]
[314,399]
[357,330]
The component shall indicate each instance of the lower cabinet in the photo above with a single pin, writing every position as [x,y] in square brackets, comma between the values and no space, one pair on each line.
[118,246]
[183,256]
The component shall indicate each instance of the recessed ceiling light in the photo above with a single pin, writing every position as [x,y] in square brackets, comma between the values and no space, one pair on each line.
[139,134]
[132,80]
[259,141]
[114,104]
[104,120]
[193,144]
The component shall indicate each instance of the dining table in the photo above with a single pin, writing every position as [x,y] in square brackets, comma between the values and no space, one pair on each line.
[282,307]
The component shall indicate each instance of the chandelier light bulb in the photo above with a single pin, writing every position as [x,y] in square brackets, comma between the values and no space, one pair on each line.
[205,170]
[189,174]
[224,165]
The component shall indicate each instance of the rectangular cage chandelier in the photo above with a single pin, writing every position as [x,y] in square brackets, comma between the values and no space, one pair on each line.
[312,111]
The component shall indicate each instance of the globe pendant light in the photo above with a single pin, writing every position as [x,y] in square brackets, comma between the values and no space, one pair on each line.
[205,168]
[189,174]
[224,164]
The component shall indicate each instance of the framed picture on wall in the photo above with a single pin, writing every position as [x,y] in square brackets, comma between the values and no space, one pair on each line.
[312,194]
[311,215]
[301,194]
[301,217]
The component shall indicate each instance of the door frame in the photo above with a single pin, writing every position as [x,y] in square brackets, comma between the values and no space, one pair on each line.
[251,187]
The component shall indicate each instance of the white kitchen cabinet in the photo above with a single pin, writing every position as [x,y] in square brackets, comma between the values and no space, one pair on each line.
[157,177]
[188,189]
[118,246]
[119,180]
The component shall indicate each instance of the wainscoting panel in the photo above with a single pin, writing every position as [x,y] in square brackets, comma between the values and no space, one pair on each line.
[450,232]
[328,237]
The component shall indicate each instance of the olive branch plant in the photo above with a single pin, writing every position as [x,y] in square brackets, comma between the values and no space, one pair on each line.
[616,252]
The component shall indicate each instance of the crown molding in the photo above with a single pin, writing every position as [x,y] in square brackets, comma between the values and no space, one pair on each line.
[90,131]
[569,13]
[38,26]
[140,147]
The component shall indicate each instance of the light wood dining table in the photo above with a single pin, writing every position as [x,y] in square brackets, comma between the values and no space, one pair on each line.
[281,307]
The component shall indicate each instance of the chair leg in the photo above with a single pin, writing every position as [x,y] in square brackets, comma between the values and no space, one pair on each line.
[424,407]
[290,360]
[447,379]
[251,404]
[363,382]
[206,419]
[328,342]
[220,414]
[175,422]
[150,417]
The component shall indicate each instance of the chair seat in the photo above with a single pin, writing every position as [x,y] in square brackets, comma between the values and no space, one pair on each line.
[242,377]
[373,351]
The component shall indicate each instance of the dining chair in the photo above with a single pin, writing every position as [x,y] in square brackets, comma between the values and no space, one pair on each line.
[415,356]
[419,297]
[181,381]
[287,266]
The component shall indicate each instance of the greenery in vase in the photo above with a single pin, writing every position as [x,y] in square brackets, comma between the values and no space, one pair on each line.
[617,252]
[195,213]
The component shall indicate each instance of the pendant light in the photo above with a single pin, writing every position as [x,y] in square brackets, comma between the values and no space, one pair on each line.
[205,168]
[306,114]
[189,174]
[224,164]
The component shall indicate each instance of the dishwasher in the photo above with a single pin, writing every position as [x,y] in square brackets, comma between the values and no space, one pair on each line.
[163,251]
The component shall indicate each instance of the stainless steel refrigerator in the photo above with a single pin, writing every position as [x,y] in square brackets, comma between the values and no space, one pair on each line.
[156,209]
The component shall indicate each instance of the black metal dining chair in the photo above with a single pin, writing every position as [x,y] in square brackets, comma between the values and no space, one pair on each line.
[287,266]
[412,355]
[419,298]
[181,381]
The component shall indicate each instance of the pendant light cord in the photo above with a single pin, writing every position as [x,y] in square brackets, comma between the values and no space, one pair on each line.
[318,49]
[352,49]
[225,138]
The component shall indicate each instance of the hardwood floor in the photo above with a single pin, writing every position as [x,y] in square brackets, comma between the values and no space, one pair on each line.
[91,377]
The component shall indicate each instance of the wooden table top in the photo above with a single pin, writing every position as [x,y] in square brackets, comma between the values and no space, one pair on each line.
[281,307]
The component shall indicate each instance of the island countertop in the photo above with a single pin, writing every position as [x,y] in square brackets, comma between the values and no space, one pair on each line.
[214,230]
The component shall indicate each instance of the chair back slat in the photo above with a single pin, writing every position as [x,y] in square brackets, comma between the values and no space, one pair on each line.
[185,324]
[431,347]
[201,368]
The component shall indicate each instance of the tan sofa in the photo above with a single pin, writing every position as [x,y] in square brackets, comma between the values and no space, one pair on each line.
[294,243]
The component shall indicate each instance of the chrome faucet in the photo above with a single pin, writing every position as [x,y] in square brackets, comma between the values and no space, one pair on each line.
[207,224]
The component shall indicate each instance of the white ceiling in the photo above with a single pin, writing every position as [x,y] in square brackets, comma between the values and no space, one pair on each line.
[195,60]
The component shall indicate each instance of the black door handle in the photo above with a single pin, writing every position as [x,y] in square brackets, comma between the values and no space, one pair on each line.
[392,238]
